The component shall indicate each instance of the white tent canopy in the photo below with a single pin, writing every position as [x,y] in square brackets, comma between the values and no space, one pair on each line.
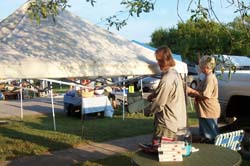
[180,66]
[69,47]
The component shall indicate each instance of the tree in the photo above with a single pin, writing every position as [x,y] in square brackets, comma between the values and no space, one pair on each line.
[159,37]
[202,9]
[42,8]
[200,37]
[238,31]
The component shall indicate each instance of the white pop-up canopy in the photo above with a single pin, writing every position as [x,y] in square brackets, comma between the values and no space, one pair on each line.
[69,47]
[180,66]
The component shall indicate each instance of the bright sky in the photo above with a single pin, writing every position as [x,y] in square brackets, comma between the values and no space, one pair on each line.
[140,29]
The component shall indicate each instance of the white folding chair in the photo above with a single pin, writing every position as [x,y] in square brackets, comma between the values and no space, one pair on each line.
[231,140]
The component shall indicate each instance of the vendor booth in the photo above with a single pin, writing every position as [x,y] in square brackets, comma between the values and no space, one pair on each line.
[67,48]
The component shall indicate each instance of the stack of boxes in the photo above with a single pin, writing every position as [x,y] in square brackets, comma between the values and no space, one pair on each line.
[171,151]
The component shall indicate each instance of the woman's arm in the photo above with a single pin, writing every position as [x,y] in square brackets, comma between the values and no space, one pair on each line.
[195,93]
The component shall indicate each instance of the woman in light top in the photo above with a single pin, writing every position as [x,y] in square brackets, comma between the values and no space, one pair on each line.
[206,100]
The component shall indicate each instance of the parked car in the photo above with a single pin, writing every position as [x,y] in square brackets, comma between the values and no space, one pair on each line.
[240,62]
[234,93]
[193,75]
[149,83]
[192,81]
[192,69]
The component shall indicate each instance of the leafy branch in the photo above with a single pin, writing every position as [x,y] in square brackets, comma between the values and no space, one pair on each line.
[114,21]
[206,12]
[135,7]
[43,8]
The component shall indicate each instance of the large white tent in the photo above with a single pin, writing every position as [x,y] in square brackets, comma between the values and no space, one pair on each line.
[69,47]
[180,66]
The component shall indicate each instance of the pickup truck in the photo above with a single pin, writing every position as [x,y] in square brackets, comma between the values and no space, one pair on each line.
[234,94]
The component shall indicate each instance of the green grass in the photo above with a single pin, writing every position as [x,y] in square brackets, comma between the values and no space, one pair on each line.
[35,134]
[31,137]
[57,88]
[192,116]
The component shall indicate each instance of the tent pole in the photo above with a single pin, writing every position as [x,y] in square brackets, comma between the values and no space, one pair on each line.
[186,97]
[142,97]
[82,119]
[52,106]
[141,88]
[123,100]
[21,99]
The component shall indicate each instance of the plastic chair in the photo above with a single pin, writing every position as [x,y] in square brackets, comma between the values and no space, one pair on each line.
[231,140]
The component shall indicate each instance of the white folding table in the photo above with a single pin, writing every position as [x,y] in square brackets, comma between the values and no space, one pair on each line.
[97,104]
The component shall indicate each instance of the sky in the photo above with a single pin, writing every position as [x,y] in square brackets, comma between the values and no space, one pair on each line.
[138,28]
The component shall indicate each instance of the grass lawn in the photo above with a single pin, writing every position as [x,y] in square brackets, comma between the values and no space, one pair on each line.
[57,88]
[35,134]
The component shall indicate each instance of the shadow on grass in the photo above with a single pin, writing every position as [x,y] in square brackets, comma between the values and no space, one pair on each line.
[95,130]
[21,143]
[42,109]
[63,124]
[33,138]
[40,140]
[98,129]
[75,157]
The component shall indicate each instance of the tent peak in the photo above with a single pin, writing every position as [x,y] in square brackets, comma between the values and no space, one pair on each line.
[9,24]
[71,47]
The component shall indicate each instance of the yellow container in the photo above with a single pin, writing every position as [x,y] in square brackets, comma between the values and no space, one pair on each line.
[86,94]
[131,89]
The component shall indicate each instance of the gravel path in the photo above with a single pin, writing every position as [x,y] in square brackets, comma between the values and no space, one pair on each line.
[36,106]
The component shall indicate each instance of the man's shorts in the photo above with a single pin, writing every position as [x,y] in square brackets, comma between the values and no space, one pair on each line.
[161,131]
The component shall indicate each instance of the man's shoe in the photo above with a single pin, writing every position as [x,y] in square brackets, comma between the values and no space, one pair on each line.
[148,148]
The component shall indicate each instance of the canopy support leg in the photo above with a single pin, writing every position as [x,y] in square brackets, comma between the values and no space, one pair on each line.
[52,106]
[21,99]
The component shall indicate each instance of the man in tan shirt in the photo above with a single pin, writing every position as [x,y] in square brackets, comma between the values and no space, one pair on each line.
[206,100]
[168,100]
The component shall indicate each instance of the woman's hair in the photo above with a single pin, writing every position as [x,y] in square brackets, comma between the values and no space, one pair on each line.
[166,55]
[207,61]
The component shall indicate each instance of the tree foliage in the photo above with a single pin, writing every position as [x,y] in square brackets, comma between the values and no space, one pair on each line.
[201,9]
[240,34]
[41,9]
[135,7]
[199,37]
